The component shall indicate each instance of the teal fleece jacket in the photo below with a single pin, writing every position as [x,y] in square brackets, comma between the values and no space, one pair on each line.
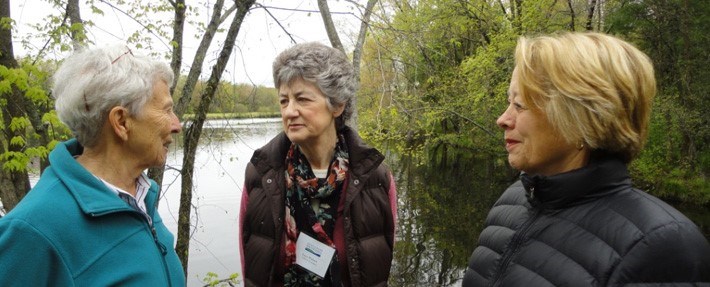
[71,230]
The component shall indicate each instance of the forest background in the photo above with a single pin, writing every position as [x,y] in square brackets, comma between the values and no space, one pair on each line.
[433,77]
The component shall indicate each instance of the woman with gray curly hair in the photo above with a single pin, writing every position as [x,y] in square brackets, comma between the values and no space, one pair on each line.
[92,220]
[319,205]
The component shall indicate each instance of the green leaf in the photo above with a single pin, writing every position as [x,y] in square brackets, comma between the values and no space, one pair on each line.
[17,141]
[5,87]
[18,123]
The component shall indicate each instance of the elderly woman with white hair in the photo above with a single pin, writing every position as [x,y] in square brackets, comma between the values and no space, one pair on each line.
[318,207]
[92,218]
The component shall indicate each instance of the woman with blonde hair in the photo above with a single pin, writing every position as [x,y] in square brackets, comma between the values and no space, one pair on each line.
[578,113]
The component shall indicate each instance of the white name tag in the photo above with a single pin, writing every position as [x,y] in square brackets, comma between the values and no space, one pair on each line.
[313,255]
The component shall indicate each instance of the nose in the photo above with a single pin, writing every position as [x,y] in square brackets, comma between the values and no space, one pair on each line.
[290,110]
[175,126]
[506,119]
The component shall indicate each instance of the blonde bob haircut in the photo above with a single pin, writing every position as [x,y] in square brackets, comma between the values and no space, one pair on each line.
[595,89]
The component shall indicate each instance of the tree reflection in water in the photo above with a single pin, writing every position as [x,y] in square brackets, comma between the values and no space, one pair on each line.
[442,208]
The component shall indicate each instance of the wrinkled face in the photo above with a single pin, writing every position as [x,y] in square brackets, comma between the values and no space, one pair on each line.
[307,120]
[533,145]
[151,131]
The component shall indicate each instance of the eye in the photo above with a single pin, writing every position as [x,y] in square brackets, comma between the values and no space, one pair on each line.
[283,101]
[519,107]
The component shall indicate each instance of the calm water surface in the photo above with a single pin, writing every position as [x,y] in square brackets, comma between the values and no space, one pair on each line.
[222,155]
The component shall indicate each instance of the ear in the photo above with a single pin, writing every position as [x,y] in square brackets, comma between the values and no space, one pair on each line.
[338,111]
[118,119]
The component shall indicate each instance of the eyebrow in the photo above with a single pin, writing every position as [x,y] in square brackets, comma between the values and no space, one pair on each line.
[512,95]
[296,94]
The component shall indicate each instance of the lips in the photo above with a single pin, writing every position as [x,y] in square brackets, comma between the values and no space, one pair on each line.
[510,144]
[295,126]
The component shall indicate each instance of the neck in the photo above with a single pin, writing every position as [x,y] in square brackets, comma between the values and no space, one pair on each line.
[320,153]
[111,166]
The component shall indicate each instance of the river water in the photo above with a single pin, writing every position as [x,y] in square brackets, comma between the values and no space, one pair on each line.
[442,205]
[222,155]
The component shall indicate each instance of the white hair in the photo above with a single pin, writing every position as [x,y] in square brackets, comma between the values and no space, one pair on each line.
[91,82]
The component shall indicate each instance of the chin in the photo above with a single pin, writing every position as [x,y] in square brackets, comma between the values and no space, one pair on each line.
[159,162]
[294,139]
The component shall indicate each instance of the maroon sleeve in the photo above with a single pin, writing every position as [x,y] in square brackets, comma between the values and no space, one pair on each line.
[242,215]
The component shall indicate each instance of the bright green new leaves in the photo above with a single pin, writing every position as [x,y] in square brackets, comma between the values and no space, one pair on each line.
[436,72]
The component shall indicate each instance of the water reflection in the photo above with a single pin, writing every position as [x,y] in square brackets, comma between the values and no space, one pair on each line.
[222,154]
[441,212]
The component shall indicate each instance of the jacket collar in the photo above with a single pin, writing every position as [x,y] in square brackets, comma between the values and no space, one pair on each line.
[91,194]
[273,154]
[602,176]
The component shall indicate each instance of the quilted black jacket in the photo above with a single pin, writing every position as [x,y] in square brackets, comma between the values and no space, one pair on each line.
[587,227]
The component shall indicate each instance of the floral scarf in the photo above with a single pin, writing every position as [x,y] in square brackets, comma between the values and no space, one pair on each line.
[302,187]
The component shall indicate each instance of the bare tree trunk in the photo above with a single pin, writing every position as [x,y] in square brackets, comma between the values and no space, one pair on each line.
[13,184]
[357,52]
[329,26]
[178,34]
[194,130]
[156,173]
[572,15]
[601,14]
[590,16]
[517,12]
[76,24]
[364,25]
[688,148]
[199,60]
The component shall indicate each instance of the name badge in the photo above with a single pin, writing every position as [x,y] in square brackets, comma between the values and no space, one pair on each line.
[313,255]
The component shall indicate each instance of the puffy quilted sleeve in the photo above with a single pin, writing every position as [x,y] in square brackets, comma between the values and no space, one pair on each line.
[673,253]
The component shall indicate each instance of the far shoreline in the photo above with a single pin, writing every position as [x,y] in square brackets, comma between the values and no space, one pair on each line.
[247,115]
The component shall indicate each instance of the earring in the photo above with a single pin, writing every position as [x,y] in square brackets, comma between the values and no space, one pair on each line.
[581,146]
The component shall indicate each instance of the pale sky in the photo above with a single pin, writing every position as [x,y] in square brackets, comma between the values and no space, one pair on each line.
[260,38]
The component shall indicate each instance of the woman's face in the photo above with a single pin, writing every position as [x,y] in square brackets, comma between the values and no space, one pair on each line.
[307,120]
[152,130]
[533,145]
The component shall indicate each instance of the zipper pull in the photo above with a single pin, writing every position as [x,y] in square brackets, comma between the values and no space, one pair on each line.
[163,249]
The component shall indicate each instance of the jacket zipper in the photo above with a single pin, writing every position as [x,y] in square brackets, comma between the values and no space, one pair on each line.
[161,248]
[163,252]
[515,243]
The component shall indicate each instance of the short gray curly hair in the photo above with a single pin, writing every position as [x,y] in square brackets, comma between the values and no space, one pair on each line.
[91,82]
[326,67]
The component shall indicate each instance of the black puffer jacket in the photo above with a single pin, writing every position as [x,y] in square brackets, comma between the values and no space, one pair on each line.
[587,227]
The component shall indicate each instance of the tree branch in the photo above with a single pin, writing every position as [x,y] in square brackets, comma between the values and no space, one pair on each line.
[136,20]
[227,13]
[266,8]
[330,26]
